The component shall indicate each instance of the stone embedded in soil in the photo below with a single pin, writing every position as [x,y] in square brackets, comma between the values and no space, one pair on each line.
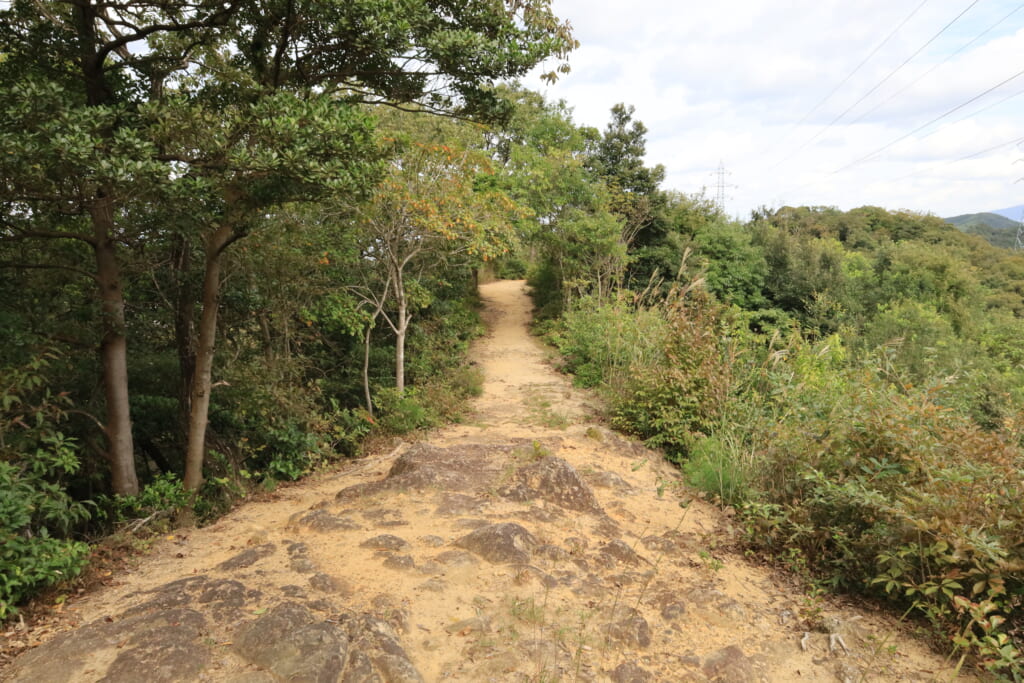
[247,558]
[454,469]
[384,517]
[628,628]
[539,515]
[385,542]
[552,480]
[167,652]
[434,585]
[226,598]
[527,573]
[507,543]
[617,552]
[400,562]
[671,606]
[470,523]
[296,548]
[162,642]
[380,656]
[323,521]
[300,562]
[553,553]
[729,665]
[432,541]
[456,504]
[325,583]
[430,568]
[474,625]
[609,480]
[288,641]
[630,672]
[302,565]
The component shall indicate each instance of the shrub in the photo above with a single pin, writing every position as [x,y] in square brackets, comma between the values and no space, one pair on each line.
[673,403]
[37,516]
[401,413]
[890,492]
[602,342]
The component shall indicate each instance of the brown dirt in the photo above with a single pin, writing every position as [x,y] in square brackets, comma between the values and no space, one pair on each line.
[529,543]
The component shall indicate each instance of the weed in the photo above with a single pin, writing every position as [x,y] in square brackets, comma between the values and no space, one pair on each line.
[543,414]
[710,563]
[527,610]
[532,453]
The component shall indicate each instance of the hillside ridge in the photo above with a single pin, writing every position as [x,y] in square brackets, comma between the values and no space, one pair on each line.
[528,543]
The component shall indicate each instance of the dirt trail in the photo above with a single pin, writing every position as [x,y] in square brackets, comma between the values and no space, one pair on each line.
[528,544]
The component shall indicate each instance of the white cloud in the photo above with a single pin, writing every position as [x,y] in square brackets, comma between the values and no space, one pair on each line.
[729,81]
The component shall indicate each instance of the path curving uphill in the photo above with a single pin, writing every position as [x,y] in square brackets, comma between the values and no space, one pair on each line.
[530,543]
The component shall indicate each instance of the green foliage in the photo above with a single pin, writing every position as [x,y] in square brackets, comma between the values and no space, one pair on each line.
[666,369]
[602,342]
[574,237]
[867,424]
[681,400]
[886,490]
[715,467]
[403,412]
[164,495]
[37,516]
[735,268]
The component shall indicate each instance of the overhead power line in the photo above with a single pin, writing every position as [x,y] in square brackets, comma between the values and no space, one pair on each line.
[925,125]
[850,75]
[894,71]
[913,174]
[864,61]
[929,71]
[878,85]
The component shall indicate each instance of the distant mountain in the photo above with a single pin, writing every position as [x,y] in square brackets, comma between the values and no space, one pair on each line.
[996,228]
[997,221]
[1014,212]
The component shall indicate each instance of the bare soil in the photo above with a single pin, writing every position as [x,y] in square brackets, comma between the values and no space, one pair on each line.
[529,543]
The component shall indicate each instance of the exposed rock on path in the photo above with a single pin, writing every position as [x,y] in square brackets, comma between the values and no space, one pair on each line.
[527,544]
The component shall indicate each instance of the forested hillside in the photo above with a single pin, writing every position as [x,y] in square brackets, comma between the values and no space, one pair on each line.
[997,230]
[850,382]
[238,238]
[235,238]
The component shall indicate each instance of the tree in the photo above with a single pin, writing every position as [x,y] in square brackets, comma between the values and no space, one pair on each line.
[432,213]
[144,69]
[618,157]
[573,231]
[73,156]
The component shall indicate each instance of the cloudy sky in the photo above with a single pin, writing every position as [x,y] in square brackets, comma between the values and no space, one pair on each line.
[805,102]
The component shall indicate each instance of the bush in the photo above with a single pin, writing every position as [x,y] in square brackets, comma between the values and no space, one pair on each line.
[715,467]
[37,516]
[603,342]
[889,492]
[681,400]
[401,413]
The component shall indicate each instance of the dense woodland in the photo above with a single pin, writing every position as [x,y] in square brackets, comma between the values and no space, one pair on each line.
[237,240]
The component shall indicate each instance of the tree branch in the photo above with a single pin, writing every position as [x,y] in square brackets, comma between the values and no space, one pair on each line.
[47,266]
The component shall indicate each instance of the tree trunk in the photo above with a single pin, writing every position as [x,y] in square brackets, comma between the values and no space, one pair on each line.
[400,331]
[267,336]
[366,368]
[201,381]
[114,342]
[184,331]
[113,351]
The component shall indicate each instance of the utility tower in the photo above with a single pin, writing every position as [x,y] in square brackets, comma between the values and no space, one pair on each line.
[720,186]
[1020,234]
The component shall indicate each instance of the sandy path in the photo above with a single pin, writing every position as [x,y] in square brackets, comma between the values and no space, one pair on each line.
[662,579]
